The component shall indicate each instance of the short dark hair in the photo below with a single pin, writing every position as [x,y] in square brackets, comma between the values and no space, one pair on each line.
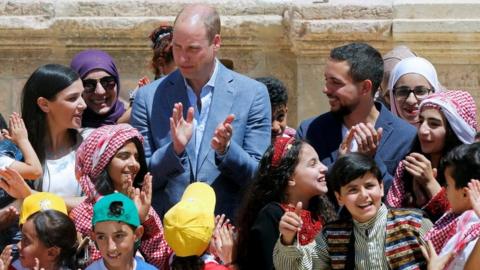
[276,90]
[365,62]
[350,167]
[465,163]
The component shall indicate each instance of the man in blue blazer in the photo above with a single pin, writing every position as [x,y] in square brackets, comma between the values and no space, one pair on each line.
[203,122]
[355,122]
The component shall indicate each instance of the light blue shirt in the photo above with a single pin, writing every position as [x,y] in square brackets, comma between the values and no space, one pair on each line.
[200,117]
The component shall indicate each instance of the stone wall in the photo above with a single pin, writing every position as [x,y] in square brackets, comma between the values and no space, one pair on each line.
[288,39]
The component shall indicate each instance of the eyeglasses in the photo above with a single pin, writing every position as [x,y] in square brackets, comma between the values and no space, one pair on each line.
[403,92]
[90,85]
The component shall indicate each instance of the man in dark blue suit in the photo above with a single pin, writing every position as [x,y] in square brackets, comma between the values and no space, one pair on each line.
[226,128]
[355,122]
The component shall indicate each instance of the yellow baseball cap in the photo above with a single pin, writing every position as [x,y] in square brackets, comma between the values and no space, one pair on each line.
[188,225]
[41,201]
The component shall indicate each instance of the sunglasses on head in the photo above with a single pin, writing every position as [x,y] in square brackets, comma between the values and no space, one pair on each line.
[90,85]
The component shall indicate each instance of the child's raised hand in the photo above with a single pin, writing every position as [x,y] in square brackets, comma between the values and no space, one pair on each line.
[8,216]
[37,265]
[224,242]
[13,183]
[6,257]
[290,224]
[17,130]
[474,195]
[143,197]
[434,261]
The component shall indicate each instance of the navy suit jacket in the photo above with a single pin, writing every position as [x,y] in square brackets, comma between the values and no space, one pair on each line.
[324,133]
[234,94]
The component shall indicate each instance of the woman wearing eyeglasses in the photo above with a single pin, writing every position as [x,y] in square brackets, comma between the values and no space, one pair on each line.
[447,119]
[411,81]
[102,87]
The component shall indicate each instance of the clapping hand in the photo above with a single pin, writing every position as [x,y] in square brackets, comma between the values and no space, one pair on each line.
[6,257]
[434,261]
[290,224]
[223,240]
[345,146]
[181,129]
[13,183]
[222,135]
[367,138]
[474,195]
[17,131]
[142,197]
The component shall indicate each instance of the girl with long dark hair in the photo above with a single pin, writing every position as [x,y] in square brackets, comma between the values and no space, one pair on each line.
[290,172]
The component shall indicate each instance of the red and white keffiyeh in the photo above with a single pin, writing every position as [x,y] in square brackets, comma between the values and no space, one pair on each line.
[97,150]
[459,109]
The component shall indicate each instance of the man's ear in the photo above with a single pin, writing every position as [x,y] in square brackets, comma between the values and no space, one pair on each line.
[381,187]
[217,41]
[366,87]
[139,233]
[43,104]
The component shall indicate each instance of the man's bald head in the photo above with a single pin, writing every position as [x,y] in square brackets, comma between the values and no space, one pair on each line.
[198,13]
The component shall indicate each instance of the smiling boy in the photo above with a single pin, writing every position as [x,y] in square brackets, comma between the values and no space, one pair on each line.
[117,232]
[367,236]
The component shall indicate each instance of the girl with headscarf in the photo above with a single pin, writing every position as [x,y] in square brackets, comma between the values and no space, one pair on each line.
[447,119]
[102,88]
[411,81]
[111,160]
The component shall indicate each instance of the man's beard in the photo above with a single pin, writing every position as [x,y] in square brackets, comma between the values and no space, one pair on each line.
[343,111]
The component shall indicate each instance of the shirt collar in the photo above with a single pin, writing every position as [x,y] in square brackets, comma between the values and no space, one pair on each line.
[211,81]
[381,213]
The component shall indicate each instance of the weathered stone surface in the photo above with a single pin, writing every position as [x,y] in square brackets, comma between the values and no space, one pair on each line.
[286,38]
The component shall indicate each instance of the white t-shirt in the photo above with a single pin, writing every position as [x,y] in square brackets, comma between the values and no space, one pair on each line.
[5,161]
[59,174]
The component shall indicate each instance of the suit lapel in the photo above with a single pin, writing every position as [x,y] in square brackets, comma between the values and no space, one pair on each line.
[177,92]
[220,107]
[385,122]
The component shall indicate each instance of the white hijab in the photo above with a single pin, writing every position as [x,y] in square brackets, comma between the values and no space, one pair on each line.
[417,65]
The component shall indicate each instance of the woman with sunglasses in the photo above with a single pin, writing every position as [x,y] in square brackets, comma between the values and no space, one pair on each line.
[102,87]
[411,81]
[447,119]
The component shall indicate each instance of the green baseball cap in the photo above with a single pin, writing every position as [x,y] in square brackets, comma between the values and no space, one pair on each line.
[128,213]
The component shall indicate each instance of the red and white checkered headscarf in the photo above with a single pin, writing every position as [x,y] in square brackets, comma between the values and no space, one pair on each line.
[96,151]
[459,109]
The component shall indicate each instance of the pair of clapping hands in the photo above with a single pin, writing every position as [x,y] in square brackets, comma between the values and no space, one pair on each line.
[182,129]
[223,240]
[367,139]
